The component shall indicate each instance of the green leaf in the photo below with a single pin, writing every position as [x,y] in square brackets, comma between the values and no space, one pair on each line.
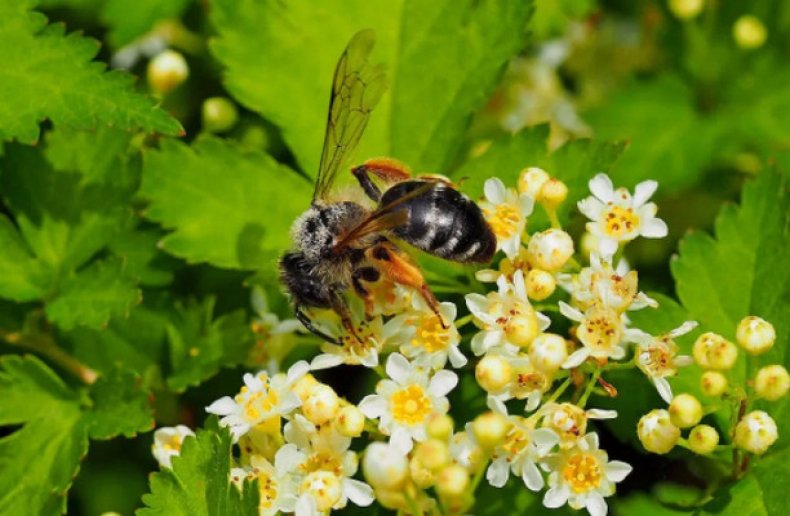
[225,206]
[200,345]
[39,460]
[574,163]
[129,19]
[120,406]
[45,74]
[771,473]
[142,258]
[21,276]
[513,498]
[742,498]
[742,271]
[462,46]
[199,483]
[92,296]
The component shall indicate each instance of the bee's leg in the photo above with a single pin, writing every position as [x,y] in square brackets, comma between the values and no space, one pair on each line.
[397,266]
[388,170]
[369,274]
[308,324]
[341,308]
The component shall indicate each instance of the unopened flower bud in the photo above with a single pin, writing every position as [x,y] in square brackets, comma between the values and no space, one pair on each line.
[551,249]
[755,335]
[703,439]
[322,405]
[421,475]
[531,181]
[756,432]
[540,284]
[713,383]
[553,193]
[218,114]
[749,32]
[493,373]
[686,9]
[350,421]
[392,499]
[685,410]
[548,351]
[712,351]
[166,71]
[384,466]
[452,481]
[433,454]
[490,429]
[441,427]
[522,328]
[772,382]
[324,487]
[304,386]
[657,433]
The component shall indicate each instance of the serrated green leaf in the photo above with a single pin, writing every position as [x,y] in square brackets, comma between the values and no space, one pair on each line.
[462,46]
[21,276]
[143,260]
[574,163]
[98,156]
[46,74]
[92,296]
[121,405]
[771,473]
[742,498]
[225,207]
[129,19]
[199,483]
[200,345]
[742,271]
[39,460]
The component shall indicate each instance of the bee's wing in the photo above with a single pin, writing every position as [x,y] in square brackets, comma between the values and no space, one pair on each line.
[385,218]
[356,89]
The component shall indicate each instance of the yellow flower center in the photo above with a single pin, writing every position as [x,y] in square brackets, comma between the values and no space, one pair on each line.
[322,461]
[569,421]
[516,441]
[582,472]
[528,381]
[657,360]
[504,220]
[411,405]
[268,491]
[430,334]
[257,404]
[173,443]
[619,221]
[601,330]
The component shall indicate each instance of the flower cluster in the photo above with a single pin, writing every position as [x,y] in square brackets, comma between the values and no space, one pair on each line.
[540,379]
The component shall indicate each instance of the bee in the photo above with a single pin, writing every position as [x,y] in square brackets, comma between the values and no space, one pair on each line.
[342,245]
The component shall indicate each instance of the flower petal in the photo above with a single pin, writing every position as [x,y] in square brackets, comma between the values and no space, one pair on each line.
[601,187]
[607,247]
[654,228]
[222,407]
[495,190]
[595,413]
[305,506]
[497,472]
[296,371]
[683,329]
[617,470]
[358,492]
[398,368]
[555,497]
[663,388]
[373,406]
[442,382]
[401,440]
[576,358]
[596,505]
[643,192]
[496,404]
[531,476]
[570,312]
[591,208]
[325,361]
[526,204]
[457,359]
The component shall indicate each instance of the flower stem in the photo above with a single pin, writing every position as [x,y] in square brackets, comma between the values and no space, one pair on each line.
[558,392]
[463,321]
[589,389]
[44,344]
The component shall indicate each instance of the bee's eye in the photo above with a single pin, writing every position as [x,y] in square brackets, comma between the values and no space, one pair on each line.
[381,254]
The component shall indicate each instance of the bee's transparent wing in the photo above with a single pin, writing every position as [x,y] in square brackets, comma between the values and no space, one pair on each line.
[356,89]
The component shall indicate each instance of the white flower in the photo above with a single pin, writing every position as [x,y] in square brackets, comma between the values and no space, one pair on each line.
[362,349]
[601,284]
[406,403]
[507,267]
[167,443]
[601,332]
[423,338]
[523,448]
[550,250]
[273,340]
[384,466]
[658,357]
[528,382]
[505,317]
[276,483]
[617,217]
[261,398]
[570,421]
[582,477]
[465,450]
[506,212]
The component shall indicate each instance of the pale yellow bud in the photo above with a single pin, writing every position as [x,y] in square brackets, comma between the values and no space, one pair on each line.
[391,498]
[656,432]
[350,421]
[685,411]
[433,453]
[493,373]
[713,383]
[531,181]
[553,193]
[452,481]
[490,429]
[421,475]
[755,335]
[540,284]
[322,405]
[749,32]
[522,328]
[703,439]
[772,382]
[441,427]
[712,351]
[218,114]
[756,432]
[324,487]
[166,71]
[550,250]
[384,466]
[304,386]
[686,9]
[548,352]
